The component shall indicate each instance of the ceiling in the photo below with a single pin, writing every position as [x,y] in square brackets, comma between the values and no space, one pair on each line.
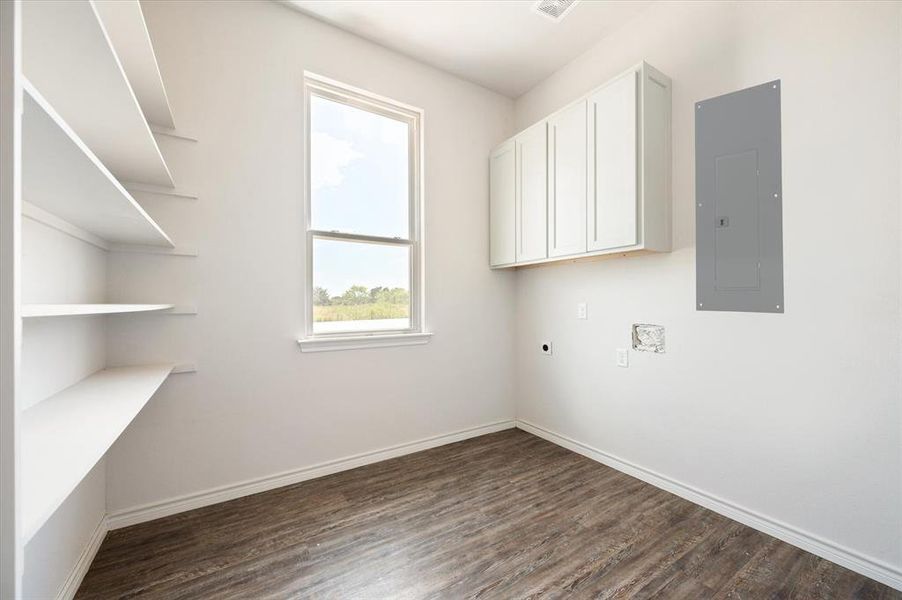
[500,44]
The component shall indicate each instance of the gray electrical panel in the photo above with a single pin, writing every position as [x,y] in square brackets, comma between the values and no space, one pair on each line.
[739,201]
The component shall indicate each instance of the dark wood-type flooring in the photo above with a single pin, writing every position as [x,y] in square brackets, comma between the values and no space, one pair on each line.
[505,515]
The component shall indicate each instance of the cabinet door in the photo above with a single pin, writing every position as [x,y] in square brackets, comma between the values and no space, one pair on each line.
[613,198]
[532,193]
[567,189]
[502,191]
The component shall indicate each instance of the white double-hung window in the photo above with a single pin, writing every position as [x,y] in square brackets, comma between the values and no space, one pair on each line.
[363,212]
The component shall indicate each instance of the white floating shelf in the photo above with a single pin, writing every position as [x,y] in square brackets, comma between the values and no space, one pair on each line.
[124,23]
[159,191]
[133,249]
[64,178]
[64,436]
[62,310]
[68,55]
[173,133]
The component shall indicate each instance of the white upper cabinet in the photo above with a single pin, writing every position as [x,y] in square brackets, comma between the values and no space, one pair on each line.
[604,186]
[502,176]
[567,181]
[613,165]
[532,194]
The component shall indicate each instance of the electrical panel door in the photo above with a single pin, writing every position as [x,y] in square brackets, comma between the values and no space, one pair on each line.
[739,200]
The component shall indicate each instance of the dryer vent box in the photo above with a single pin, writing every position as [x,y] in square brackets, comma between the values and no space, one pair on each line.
[739,201]
[648,338]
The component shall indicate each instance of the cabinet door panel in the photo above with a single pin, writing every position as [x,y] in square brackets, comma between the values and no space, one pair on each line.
[613,198]
[532,194]
[502,211]
[567,189]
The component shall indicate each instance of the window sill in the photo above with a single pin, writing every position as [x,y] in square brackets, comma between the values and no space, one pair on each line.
[359,342]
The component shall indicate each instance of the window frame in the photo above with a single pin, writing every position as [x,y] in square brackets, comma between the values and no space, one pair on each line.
[316,85]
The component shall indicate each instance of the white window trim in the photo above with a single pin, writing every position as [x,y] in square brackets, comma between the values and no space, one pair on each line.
[415,334]
[323,343]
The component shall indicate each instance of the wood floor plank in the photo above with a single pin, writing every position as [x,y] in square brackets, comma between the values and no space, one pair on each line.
[506,515]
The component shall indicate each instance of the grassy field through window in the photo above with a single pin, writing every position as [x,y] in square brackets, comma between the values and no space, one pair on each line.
[358,303]
[361,312]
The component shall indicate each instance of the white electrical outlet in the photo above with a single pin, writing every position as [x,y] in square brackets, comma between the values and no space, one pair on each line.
[546,348]
[623,357]
[582,312]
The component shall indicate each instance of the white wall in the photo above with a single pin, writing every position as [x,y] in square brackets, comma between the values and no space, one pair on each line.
[257,406]
[58,352]
[793,416]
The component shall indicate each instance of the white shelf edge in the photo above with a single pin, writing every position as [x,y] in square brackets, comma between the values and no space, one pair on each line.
[167,107]
[134,96]
[173,133]
[177,369]
[84,29]
[40,215]
[63,310]
[65,435]
[31,91]
[148,188]
[126,29]
[36,213]
[139,249]
[131,91]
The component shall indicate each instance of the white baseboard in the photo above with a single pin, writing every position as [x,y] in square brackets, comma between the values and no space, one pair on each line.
[67,592]
[846,557]
[155,510]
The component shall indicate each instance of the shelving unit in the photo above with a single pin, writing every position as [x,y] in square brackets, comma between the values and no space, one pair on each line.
[64,436]
[64,310]
[87,89]
[125,26]
[56,162]
[68,55]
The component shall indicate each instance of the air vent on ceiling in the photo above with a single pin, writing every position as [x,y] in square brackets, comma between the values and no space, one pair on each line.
[554,9]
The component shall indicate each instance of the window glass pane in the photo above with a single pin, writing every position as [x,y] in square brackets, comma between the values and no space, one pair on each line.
[358,170]
[360,287]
